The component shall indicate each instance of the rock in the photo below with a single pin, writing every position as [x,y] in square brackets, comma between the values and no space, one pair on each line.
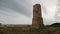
[37,20]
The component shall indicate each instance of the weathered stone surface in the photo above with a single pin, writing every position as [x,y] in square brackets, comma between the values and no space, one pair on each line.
[37,17]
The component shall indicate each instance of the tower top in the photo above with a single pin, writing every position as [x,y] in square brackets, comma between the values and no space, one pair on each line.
[37,10]
[37,7]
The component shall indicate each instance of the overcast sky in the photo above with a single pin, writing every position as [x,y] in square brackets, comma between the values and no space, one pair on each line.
[21,11]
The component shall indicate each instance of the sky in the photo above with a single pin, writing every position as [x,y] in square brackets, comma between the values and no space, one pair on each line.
[50,10]
[15,12]
[21,11]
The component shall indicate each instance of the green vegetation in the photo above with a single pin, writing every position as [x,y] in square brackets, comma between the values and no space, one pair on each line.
[28,30]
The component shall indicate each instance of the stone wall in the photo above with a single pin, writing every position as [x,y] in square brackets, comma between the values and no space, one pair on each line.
[37,20]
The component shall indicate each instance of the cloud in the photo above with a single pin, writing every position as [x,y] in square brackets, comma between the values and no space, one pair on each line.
[21,6]
[21,11]
[14,18]
[15,12]
[57,15]
[48,21]
[50,10]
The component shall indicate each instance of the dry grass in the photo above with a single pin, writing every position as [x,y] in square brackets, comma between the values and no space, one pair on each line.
[28,30]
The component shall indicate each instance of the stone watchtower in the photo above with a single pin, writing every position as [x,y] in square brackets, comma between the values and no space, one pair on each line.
[37,16]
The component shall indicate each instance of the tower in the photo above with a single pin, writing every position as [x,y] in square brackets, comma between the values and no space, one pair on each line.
[37,20]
